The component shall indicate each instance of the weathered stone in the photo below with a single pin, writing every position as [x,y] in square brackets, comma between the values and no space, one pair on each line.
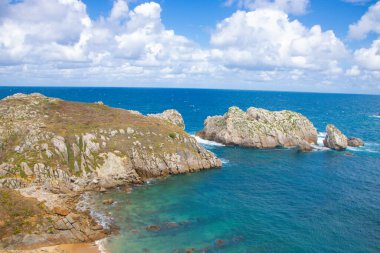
[172,116]
[259,128]
[107,202]
[355,142]
[335,139]
[61,211]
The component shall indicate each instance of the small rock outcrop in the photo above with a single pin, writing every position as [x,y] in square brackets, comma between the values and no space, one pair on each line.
[335,139]
[355,142]
[260,128]
[172,116]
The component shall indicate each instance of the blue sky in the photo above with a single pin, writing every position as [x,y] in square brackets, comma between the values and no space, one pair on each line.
[295,45]
[196,19]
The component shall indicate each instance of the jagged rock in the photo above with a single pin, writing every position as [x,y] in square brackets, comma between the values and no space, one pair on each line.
[355,142]
[335,139]
[259,128]
[173,116]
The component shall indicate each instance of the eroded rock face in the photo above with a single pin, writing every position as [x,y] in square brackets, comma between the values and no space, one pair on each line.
[259,128]
[173,116]
[355,142]
[335,139]
[70,146]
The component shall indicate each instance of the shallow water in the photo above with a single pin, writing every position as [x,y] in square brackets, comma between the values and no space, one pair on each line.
[261,200]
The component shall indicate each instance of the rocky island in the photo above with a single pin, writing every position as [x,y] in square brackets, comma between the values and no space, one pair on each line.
[263,129]
[260,128]
[53,150]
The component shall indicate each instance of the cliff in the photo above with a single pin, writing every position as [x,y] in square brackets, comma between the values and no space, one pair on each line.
[47,140]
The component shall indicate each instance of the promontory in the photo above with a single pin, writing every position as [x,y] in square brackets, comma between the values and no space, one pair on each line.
[51,149]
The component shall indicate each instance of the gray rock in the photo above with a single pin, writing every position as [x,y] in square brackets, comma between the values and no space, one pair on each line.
[173,116]
[335,139]
[259,128]
[355,142]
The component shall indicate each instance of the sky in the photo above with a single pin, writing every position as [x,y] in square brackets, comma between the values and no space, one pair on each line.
[290,45]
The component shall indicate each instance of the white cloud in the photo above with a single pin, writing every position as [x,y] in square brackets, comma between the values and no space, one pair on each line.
[369,22]
[369,58]
[267,38]
[296,7]
[55,42]
[353,71]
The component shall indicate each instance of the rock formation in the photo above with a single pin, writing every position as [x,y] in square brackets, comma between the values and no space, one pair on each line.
[45,139]
[355,142]
[260,128]
[66,147]
[173,116]
[335,139]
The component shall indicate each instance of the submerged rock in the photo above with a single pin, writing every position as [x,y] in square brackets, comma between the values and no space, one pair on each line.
[260,128]
[355,142]
[335,139]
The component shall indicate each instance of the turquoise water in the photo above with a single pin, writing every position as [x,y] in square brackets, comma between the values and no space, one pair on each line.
[261,200]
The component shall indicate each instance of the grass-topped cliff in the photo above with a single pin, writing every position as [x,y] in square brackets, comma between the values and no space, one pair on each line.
[49,140]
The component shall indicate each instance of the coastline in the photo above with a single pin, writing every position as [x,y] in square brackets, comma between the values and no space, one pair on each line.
[65,248]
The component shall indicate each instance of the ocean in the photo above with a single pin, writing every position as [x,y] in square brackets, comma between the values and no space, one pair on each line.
[261,201]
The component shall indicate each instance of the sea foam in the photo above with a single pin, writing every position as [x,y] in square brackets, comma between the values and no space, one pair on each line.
[206,142]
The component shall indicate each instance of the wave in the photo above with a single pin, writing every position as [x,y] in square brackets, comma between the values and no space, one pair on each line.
[101,218]
[370,147]
[206,142]
[375,116]
[224,161]
[100,244]
[321,137]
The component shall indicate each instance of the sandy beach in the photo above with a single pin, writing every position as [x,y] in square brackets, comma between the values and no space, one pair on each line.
[64,248]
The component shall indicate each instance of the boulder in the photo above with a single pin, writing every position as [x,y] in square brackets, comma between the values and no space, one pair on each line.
[303,146]
[61,211]
[335,139]
[259,128]
[107,202]
[173,116]
[355,142]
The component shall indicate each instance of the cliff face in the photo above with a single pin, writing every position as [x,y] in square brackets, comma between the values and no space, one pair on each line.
[260,128]
[77,146]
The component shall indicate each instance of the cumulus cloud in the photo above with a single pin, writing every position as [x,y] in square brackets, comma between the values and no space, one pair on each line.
[59,35]
[266,38]
[296,7]
[369,22]
[369,58]
[55,42]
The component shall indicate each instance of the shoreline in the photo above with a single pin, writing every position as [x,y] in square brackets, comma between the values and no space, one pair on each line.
[93,247]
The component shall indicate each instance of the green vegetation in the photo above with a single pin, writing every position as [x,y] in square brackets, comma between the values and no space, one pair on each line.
[18,214]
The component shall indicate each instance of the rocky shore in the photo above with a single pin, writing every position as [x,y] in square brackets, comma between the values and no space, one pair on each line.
[52,150]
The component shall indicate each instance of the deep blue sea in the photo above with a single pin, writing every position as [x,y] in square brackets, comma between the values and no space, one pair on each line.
[261,200]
